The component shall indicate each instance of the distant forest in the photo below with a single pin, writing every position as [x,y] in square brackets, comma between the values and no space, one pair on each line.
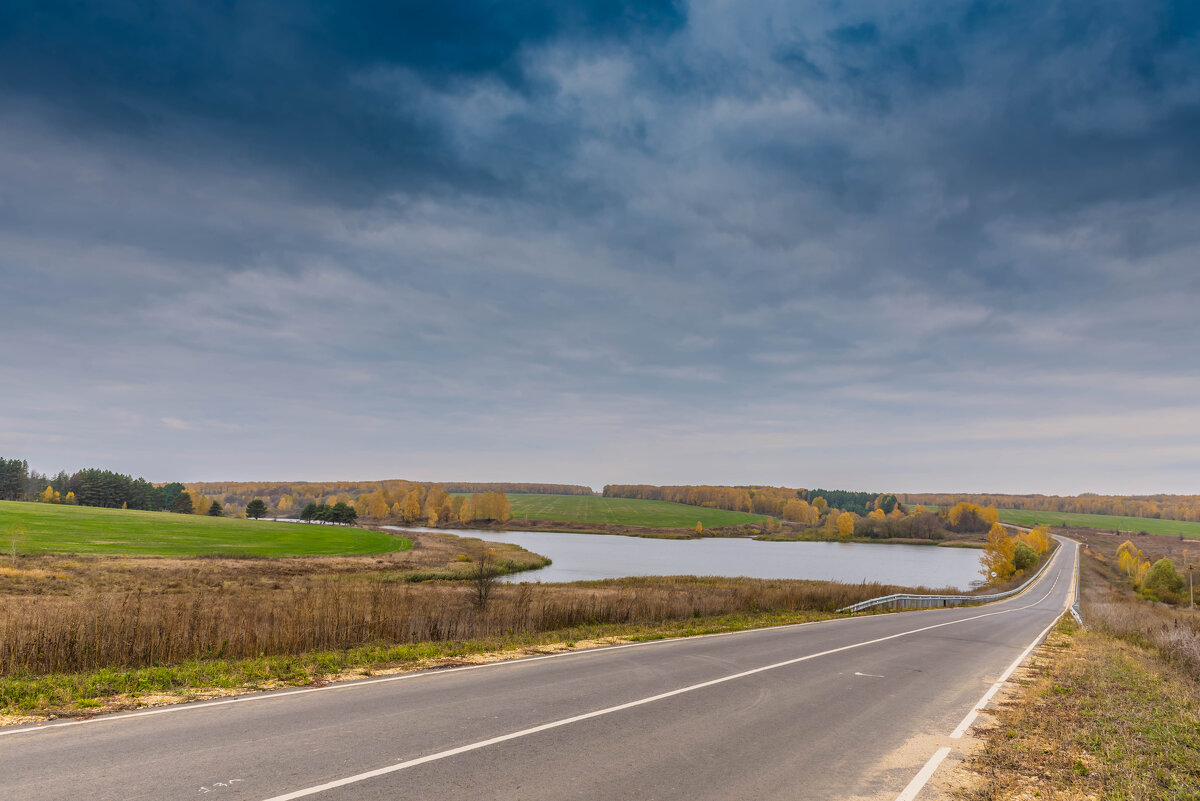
[1164,507]
[93,487]
[407,501]
[756,500]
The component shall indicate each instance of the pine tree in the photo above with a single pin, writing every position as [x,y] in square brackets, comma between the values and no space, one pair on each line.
[182,504]
[257,508]
[215,509]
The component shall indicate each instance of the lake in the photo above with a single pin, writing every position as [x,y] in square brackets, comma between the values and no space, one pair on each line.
[579,557]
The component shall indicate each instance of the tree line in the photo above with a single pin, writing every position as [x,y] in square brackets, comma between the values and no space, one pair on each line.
[100,488]
[1162,507]
[773,501]
[288,499]
[340,513]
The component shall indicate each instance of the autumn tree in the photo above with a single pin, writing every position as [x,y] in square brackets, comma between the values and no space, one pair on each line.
[845,524]
[492,506]
[798,510]
[1037,538]
[410,508]
[998,551]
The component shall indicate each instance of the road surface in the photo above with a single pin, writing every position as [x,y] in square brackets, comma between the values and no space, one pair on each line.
[842,709]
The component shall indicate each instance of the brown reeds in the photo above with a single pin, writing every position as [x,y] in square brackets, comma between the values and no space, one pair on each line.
[140,628]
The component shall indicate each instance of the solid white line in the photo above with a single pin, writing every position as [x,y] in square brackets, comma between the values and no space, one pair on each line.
[987,696]
[352,684]
[371,774]
[416,674]
[926,773]
[918,782]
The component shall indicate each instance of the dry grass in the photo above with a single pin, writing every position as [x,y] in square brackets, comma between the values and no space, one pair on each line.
[77,630]
[1097,718]
[1108,713]
[1109,605]
[143,627]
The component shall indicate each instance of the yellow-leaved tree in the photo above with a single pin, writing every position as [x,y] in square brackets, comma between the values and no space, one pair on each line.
[997,560]
[1133,562]
[845,524]
[410,509]
[1038,539]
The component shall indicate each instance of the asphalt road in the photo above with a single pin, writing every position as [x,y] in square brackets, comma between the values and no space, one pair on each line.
[842,709]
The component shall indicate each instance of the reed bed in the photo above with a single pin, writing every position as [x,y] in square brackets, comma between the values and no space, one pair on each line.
[141,628]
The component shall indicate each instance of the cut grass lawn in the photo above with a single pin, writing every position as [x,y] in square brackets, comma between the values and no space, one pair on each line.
[40,527]
[623,512]
[1172,528]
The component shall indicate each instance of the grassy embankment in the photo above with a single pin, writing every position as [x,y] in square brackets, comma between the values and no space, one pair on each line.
[665,520]
[1173,528]
[624,512]
[80,632]
[1112,712]
[40,527]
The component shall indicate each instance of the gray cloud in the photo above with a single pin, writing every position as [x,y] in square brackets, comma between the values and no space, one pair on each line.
[922,249]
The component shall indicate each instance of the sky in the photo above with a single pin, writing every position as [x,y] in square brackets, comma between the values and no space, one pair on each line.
[882,245]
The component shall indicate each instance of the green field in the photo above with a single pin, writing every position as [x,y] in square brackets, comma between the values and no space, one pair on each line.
[83,529]
[623,512]
[1173,528]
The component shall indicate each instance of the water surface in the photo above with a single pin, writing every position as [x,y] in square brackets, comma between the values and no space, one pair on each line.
[579,557]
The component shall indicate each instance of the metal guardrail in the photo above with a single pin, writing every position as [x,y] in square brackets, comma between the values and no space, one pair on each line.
[902,600]
[1075,604]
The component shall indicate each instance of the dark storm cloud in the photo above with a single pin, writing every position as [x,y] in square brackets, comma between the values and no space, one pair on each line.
[778,243]
[275,81]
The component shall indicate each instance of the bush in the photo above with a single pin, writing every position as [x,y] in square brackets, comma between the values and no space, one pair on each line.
[1024,557]
[1162,582]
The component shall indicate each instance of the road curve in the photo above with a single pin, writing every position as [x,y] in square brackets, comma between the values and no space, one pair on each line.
[842,709]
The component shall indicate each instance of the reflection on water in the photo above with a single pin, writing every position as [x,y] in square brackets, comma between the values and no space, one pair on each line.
[595,556]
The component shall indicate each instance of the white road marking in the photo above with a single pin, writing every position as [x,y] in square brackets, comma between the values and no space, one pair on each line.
[869,675]
[416,674]
[462,749]
[987,697]
[918,782]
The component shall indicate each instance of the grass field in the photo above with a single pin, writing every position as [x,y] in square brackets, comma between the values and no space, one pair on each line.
[1172,528]
[40,527]
[623,511]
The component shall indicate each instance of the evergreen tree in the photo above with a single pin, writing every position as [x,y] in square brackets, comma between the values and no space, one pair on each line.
[183,504]
[256,508]
[215,509]
[168,493]
[342,513]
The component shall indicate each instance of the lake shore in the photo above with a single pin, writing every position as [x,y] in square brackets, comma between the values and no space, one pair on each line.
[757,532]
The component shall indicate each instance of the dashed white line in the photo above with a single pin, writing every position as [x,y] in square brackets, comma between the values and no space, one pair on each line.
[462,749]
